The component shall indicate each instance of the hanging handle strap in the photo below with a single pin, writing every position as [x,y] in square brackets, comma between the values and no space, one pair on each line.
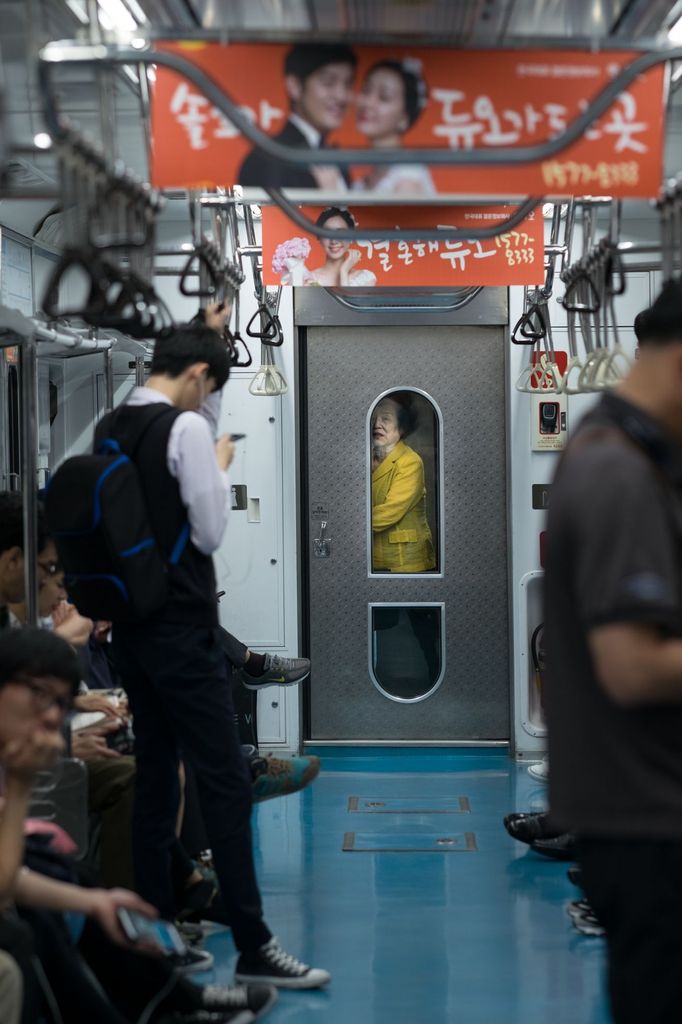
[532,326]
[270,327]
[593,298]
[237,340]
[202,259]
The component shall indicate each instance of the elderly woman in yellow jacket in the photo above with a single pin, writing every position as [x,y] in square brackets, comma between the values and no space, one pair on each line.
[401,536]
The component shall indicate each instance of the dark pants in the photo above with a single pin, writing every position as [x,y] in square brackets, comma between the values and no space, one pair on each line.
[635,888]
[16,938]
[126,982]
[80,1001]
[235,650]
[111,791]
[180,697]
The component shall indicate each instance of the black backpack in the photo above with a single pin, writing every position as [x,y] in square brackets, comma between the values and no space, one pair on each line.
[97,514]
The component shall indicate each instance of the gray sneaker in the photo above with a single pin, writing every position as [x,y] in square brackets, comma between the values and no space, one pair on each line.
[278,672]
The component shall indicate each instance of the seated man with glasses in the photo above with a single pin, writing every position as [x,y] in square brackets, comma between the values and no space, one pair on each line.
[39,677]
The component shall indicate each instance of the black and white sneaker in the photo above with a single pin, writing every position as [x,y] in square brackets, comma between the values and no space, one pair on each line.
[191,932]
[272,965]
[588,924]
[192,960]
[256,998]
[578,908]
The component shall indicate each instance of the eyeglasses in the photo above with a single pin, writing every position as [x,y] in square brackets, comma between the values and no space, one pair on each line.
[51,568]
[45,698]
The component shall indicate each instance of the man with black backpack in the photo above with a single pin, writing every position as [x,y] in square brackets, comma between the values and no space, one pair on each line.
[170,661]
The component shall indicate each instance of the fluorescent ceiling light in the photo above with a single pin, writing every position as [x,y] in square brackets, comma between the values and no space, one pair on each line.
[675,32]
[114,14]
[77,7]
[137,12]
[42,140]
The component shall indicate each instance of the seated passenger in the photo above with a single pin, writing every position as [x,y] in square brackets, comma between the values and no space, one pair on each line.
[11,989]
[38,679]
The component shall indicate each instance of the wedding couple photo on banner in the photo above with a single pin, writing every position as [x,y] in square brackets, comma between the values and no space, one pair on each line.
[296,258]
[321,97]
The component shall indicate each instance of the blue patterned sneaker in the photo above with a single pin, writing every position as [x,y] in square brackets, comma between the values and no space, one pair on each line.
[278,776]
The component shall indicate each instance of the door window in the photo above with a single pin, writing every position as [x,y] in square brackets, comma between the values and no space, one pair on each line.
[407,657]
[404,457]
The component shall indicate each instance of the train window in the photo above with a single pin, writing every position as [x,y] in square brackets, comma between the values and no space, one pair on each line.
[404,455]
[407,659]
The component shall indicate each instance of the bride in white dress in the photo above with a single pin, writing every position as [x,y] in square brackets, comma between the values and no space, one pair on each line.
[391,99]
[337,270]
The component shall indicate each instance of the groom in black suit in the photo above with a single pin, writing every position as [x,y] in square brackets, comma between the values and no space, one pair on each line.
[319,82]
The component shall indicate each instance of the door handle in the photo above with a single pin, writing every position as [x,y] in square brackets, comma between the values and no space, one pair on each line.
[322,545]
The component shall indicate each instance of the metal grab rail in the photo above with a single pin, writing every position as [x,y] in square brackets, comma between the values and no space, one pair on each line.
[68,52]
[465,296]
[403,234]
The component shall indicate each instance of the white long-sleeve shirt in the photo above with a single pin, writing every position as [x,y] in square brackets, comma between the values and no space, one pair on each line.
[191,460]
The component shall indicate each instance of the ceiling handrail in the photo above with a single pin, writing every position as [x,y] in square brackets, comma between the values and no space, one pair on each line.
[424,234]
[67,52]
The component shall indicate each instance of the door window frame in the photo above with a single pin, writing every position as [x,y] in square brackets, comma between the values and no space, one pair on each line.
[370,648]
[440,515]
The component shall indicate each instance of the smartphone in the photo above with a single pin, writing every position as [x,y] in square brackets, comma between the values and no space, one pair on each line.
[237,437]
[163,934]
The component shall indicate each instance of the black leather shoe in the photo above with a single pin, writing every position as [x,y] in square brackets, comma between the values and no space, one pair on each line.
[564,847]
[527,828]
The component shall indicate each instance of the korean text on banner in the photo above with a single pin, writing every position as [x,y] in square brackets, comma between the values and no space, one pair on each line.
[312,96]
[293,257]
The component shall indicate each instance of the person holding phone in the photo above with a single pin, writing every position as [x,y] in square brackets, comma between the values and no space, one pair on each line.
[39,677]
[171,664]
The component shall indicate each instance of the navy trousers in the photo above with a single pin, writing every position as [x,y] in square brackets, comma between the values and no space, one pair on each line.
[176,680]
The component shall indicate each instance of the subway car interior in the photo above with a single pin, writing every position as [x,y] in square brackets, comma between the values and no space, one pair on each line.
[343,712]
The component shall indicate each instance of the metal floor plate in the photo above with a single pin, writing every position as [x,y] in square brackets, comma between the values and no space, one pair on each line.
[381,842]
[410,805]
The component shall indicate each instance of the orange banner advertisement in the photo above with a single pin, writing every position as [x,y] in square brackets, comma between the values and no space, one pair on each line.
[313,96]
[294,257]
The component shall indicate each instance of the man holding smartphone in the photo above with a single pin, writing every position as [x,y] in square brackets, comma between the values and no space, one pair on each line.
[172,665]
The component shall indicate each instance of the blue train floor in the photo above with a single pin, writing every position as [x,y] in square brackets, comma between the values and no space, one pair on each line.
[475,932]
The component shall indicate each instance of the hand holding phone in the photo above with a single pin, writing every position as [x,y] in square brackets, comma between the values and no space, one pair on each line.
[161,934]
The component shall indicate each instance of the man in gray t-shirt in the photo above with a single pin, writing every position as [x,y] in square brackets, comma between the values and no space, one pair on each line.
[613,639]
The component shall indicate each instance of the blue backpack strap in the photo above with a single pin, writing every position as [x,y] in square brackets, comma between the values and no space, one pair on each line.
[108,446]
[180,545]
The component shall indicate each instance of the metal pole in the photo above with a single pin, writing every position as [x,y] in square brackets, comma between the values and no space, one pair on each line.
[108,380]
[139,371]
[145,105]
[28,366]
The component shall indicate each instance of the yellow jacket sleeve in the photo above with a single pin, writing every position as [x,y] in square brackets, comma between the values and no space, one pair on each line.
[407,487]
